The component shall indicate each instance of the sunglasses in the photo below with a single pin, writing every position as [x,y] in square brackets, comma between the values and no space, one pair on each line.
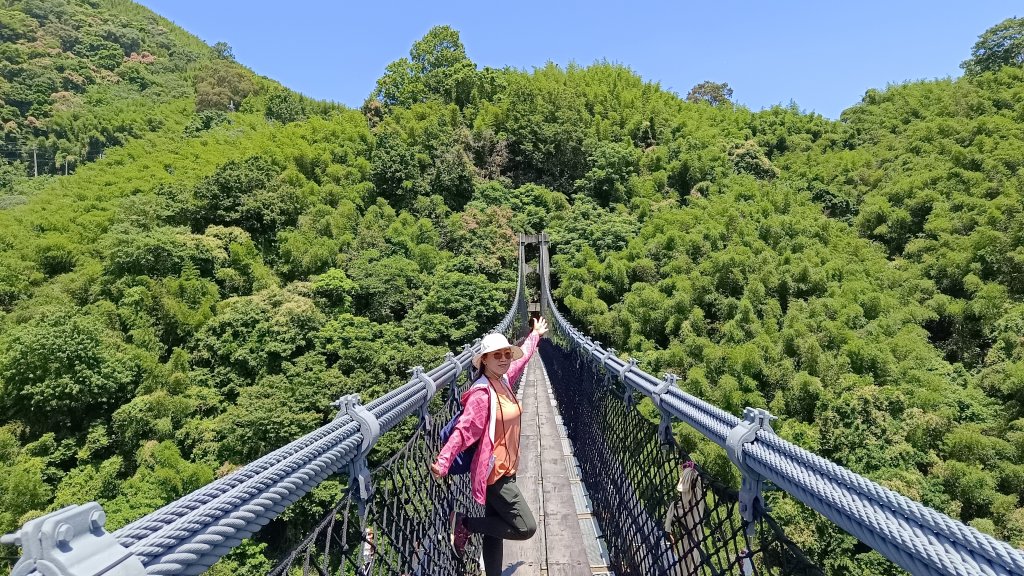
[501,354]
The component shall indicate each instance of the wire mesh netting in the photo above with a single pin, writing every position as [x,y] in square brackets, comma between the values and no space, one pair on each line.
[405,528]
[656,517]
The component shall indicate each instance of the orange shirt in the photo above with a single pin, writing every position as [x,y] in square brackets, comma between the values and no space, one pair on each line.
[507,425]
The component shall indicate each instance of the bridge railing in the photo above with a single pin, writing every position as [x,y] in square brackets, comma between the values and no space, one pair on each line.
[915,537]
[189,535]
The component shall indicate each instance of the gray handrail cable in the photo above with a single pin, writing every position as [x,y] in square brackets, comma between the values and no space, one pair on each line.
[916,537]
[189,535]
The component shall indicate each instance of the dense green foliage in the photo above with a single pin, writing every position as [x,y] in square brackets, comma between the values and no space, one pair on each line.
[1000,45]
[239,256]
[79,77]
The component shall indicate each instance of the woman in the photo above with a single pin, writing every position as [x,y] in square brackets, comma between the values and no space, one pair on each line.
[684,522]
[368,549]
[492,415]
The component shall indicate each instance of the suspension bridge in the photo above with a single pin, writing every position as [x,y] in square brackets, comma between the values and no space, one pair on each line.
[599,476]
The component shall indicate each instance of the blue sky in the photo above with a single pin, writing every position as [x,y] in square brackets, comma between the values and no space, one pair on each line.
[822,55]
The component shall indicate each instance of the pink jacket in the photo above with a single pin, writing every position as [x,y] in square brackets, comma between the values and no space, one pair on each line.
[479,405]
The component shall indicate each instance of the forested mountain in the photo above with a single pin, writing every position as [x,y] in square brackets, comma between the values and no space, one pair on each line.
[225,257]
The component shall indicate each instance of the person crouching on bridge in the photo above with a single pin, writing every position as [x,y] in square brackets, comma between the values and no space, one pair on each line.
[491,415]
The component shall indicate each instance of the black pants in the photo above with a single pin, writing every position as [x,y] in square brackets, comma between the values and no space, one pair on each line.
[506,517]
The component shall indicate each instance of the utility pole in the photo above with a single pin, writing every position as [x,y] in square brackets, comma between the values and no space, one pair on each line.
[35,163]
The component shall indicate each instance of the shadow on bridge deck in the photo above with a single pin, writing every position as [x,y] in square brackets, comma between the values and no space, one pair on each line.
[566,541]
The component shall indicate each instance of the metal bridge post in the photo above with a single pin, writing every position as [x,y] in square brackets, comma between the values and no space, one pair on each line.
[594,361]
[453,386]
[627,395]
[750,499]
[72,542]
[665,426]
[369,428]
[428,382]
[608,353]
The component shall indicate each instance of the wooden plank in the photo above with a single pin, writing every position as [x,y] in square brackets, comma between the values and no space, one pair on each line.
[526,557]
[561,569]
[557,548]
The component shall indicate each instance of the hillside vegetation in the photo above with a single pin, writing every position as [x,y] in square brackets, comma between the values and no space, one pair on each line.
[225,257]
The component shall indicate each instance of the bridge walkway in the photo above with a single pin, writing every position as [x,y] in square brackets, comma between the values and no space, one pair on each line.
[567,541]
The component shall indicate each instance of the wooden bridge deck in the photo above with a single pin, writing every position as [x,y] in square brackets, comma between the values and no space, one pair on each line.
[566,542]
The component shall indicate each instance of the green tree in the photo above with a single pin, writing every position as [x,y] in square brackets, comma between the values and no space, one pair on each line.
[285,106]
[223,51]
[157,253]
[162,476]
[60,366]
[222,85]
[441,59]
[545,119]
[386,288]
[748,158]
[22,491]
[265,417]
[247,559]
[121,33]
[334,289]
[376,357]
[470,302]
[234,192]
[612,165]
[437,68]
[15,26]
[713,93]
[90,482]
[253,336]
[13,287]
[395,170]
[104,53]
[149,417]
[1000,45]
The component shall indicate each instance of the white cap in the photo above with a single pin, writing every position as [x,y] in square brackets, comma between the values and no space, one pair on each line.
[493,342]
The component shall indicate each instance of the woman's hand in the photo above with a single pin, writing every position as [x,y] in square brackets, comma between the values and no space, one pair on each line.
[540,326]
[435,470]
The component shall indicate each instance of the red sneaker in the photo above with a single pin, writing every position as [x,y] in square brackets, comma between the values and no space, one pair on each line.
[459,534]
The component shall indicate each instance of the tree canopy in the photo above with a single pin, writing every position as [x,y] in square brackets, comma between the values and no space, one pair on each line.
[1000,45]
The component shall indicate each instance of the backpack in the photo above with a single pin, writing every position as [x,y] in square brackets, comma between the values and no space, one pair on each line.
[463,460]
